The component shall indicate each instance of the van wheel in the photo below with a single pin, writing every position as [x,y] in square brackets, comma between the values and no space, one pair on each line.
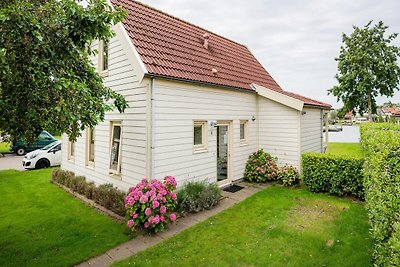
[20,151]
[42,163]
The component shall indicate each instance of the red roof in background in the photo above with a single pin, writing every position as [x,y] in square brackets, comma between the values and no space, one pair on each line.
[171,47]
[393,111]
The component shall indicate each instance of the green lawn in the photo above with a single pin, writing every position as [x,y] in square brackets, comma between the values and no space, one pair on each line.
[275,227]
[42,225]
[350,149]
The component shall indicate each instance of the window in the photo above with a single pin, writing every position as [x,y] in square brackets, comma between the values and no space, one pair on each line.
[44,137]
[115,150]
[243,132]
[90,147]
[200,136]
[103,57]
[71,150]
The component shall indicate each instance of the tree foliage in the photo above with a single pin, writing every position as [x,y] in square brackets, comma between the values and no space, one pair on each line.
[47,80]
[367,68]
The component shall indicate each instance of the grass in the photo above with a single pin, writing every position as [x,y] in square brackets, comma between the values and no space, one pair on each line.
[349,149]
[275,227]
[42,225]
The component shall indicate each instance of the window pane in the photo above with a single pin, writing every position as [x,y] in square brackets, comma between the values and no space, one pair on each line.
[72,149]
[198,139]
[115,148]
[91,145]
[242,131]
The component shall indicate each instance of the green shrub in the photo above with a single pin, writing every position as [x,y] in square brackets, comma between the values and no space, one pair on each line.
[335,174]
[381,146]
[288,176]
[105,195]
[197,196]
[261,167]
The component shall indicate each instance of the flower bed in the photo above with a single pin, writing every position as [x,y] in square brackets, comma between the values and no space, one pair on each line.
[151,204]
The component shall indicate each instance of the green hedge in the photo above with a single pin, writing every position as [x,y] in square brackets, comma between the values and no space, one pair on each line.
[381,146]
[335,174]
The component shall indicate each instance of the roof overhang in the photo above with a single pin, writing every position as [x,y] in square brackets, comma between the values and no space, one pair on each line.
[278,97]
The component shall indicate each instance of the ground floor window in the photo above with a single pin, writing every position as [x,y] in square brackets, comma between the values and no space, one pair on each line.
[199,136]
[244,132]
[90,147]
[115,147]
[71,150]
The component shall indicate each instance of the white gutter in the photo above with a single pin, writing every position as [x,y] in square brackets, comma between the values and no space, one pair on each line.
[152,123]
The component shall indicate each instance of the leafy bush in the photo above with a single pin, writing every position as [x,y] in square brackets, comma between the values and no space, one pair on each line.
[151,205]
[288,176]
[105,195]
[261,167]
[336,174]
[381,145]
[197,196]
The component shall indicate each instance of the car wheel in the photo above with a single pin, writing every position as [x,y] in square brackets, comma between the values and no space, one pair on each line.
[20,151]
[42,163]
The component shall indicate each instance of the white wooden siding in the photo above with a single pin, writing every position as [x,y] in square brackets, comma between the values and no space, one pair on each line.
[122,78]
[279,131]
[311,130]
[177,106]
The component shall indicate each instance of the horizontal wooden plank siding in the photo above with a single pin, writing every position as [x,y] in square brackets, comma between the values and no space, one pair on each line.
[311,130]
[279,131]
[177,106]
[121,78]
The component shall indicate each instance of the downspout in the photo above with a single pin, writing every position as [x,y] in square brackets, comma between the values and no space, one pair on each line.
[153,116]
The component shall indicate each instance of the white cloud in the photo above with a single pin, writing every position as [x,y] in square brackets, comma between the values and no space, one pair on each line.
[296,41]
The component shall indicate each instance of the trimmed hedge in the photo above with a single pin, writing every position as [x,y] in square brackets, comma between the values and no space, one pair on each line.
[335,174]
[381,146]
[105,195]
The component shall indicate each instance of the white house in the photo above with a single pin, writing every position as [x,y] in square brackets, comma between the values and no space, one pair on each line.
[200,104]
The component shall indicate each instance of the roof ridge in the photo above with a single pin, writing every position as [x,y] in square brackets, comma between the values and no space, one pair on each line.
[187,22]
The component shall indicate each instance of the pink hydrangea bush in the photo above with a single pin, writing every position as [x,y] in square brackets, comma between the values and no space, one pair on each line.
[151,204]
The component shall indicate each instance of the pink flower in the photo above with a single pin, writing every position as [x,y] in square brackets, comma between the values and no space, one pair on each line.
[163,209]
[173,196]
[143,199]
[155,204]
[130,223]
[151,219]
[162,218]
[135,216]
[147,211]
[146,225]
[172,217]
[156,219]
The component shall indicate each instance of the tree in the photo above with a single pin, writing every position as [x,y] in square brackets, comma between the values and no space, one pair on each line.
[367,68]
[47,80]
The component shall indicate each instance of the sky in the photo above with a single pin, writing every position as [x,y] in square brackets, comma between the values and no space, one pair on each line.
[295,41]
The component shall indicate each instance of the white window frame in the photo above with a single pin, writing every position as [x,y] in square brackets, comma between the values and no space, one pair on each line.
[199,148]
[244,141]
[112,125]
[102,45]
[89,163]
[71,152]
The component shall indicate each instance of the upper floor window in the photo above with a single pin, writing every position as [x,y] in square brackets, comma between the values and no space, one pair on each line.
[103,56]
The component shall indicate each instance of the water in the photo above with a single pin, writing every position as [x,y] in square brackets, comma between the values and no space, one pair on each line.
[350,134]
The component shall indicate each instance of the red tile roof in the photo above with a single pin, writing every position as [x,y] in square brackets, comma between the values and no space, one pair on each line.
[171,47]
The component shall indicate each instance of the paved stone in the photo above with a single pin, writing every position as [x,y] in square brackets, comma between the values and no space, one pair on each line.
[142,242]
[101,261]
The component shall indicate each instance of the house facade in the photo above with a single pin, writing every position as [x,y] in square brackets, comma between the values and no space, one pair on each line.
[199,105]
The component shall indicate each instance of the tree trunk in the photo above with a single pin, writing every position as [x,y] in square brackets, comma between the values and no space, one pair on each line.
[369,108]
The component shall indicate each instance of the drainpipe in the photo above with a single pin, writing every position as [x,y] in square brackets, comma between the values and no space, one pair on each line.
[153,116]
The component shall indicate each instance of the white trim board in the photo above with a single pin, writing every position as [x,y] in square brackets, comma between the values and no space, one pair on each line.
[278,97]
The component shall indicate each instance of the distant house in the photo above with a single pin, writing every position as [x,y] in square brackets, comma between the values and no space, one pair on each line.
[391,112]
[200,104]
